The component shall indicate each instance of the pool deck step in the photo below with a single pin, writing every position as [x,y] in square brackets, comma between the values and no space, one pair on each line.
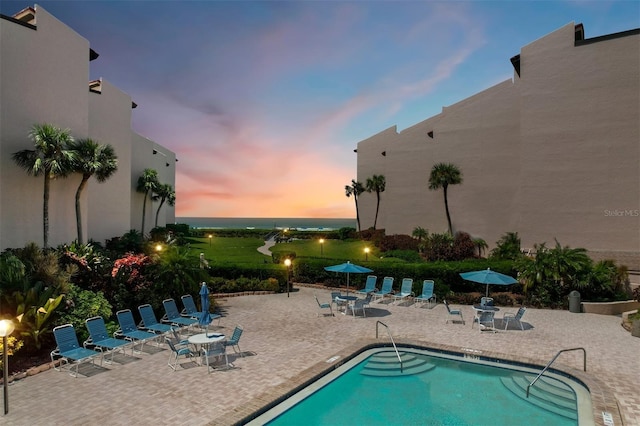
[385,364]
[548,394]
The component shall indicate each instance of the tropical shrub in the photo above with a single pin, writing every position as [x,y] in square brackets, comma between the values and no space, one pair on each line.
[13,346]
[406,255]
[398,242]
[83,304]
[507,247]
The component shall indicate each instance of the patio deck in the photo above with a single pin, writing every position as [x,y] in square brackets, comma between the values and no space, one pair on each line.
[286,343]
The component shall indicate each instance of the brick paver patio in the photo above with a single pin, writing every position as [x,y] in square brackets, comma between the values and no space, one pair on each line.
[286,342]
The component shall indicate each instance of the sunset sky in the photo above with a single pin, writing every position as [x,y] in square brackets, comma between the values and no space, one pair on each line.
[264,102]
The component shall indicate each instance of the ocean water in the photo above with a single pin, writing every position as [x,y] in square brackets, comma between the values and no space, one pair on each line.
[302,224]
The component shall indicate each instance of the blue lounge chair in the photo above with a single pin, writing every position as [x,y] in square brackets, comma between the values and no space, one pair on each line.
[191,311]
[69,350]
[370,285]
[172,315]
[427,293]
[99,338]
[234,340]
[129,331]
[453,313]
[387,288]
[149,321]
[406,290]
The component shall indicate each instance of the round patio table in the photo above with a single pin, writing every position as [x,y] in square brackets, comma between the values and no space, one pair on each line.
[206,340]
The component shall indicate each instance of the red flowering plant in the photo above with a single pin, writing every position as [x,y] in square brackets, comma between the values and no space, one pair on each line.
[129,269]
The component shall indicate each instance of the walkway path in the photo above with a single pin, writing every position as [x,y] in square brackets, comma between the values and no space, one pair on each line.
[267,245]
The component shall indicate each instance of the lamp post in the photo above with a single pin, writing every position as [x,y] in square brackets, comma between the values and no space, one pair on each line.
[6,328]
[366,253]
[287,263]
[158,248]
[321,246]
[210,237]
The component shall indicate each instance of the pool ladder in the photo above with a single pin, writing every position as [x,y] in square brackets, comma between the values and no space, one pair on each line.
[392,342]
[551,362]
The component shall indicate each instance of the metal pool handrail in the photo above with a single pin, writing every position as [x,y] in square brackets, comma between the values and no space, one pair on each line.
[392,342]
[551,362]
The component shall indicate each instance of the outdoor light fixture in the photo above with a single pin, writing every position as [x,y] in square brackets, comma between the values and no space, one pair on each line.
[158,248]
[321,244]
[366,253]
[287,263]
[6,328]
[210,237]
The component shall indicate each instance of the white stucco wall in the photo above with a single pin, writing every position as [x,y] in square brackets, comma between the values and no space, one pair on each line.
[43,79]
[553,154]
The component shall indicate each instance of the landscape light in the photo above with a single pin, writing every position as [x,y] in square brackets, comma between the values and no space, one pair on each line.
[6,328]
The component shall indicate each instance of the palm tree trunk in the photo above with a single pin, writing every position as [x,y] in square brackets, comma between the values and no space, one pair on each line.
[45,209]
[83,183]
[158,211]
[144,212]
[375,221]
[446,207]
[355,197]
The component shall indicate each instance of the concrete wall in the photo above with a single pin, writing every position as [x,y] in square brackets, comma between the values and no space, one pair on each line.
[39,84]
[552,154]
[109,212]
[44,78]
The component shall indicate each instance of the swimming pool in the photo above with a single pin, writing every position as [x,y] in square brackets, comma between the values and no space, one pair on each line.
[433,388]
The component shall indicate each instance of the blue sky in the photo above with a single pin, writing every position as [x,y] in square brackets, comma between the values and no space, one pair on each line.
[264,102]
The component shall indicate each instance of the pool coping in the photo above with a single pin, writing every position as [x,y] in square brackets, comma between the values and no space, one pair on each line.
[602,399]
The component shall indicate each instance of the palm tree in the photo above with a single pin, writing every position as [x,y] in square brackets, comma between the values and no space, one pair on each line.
[147,183]
[442,175]
[164,192]
[91,159]
[355,189]
[50,158]
[377,184]
[481,245]
[420,233]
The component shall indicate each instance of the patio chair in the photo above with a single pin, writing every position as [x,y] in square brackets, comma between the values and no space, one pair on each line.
[176,353]
[69,351]
[149,321]
[361,304]
[129,331]
[191,311]
[517,317]
[486,301]
[370,285]
[453,313]
[172,315]
[406,290]
[427,293]
[99,338]
[387,288]
[234,340]
[486,321]
[322,306]
[218,349]
[335,298]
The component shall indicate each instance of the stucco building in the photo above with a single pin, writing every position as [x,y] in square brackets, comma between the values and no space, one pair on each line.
[44,78]
[553,153]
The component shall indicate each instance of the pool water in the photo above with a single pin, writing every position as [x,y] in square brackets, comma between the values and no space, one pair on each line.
[432,389]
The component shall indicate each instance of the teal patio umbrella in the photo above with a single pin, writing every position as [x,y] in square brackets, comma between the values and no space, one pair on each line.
[348,268]
[205,317]
[487,276]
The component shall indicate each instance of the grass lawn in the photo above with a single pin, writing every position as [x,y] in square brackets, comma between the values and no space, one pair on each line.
[245,249]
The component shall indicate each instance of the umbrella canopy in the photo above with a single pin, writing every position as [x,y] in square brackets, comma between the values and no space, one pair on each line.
[348,268]
[487,276]
[205,317]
